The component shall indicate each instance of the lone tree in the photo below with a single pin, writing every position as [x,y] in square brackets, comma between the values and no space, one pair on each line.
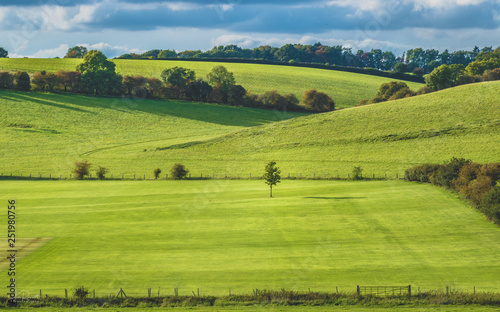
[157,172]
[81,169]
[272,175]
[3,53]
[179,171]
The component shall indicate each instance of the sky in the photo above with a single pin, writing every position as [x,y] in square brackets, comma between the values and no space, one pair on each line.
[47,28]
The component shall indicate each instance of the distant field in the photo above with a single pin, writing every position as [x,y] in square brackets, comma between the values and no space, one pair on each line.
[275,308]
[347,89]
[383,138]
[216,235]
[46,133]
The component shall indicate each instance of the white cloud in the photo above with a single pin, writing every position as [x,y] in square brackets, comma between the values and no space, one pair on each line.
[60,51]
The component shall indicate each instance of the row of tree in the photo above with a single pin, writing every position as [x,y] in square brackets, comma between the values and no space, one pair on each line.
[476,182]
[96,75]
[426,60]
[82,170]
[486,67]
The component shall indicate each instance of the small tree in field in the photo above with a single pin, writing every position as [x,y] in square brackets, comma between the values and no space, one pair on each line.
[80,293]
[81,169]
[272,175]
[179,171]
[157,172]
[101,171]
[356,173]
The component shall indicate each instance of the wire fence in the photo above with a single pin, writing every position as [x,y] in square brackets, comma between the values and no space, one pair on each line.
[201,176]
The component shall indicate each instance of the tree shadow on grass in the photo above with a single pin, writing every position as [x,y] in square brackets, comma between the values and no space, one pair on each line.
[205,112]
[36,99]
[337,198]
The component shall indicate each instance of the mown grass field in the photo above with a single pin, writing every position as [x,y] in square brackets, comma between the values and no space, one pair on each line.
[347,89]
[46,133]
[280,308]
[219,234]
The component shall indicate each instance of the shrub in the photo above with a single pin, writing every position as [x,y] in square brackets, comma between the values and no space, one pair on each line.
[101,171]
[425,90]
[318,101]
[490,204]
[157,172]
[6,80]
[419,72]
[401,68]
[22,81]
[81,169]
[449,172]
[421,173]
[401,93]
[179,171]
[356,173]
[491,75]
[80,293]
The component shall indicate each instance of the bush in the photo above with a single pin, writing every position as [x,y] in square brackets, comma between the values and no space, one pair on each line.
[81,169]
[449,172]
[425,90]
[419,72]
[101,171]
[318,101]
[401,93]
[422,173]
[22,81]
[157,172]
[80,293]
[6,80]
[179,171]
[356,173]
[491,75]
[401,68]
[490,204]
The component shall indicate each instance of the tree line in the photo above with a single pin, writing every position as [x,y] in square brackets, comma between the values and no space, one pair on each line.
[475,182]
[486,67]
[414,59]
[96,75]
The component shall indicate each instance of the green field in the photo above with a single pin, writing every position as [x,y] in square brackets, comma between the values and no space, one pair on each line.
[279,308]
[46,133]
[219,234]
[347,89]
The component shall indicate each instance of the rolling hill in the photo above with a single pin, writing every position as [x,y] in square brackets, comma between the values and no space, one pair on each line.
[46,133]
[347,89]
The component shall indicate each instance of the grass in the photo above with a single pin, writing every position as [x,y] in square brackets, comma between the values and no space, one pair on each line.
[347,89]
[218,234]
[383,138]
[279,308]
[46,133]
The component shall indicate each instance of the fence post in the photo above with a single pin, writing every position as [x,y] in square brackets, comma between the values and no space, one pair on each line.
[66,293]
[357,290]
[201,175]
[40,294]
[94,293]
[397,175]
[289,175]
[409,291]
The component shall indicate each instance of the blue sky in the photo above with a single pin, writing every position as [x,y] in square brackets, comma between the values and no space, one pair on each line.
[47,28]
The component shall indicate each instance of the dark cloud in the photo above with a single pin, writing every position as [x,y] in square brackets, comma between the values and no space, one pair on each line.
[268,18]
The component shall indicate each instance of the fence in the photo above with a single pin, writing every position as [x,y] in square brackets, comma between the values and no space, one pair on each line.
[201,176]
[384,291]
